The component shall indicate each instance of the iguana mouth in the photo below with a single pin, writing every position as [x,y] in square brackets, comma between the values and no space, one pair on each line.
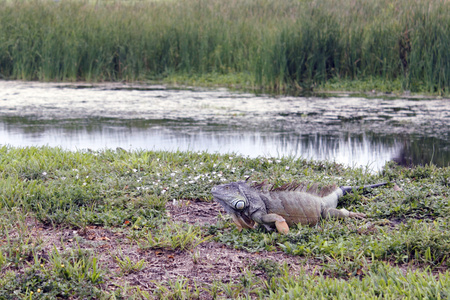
[247,220]
[243,221]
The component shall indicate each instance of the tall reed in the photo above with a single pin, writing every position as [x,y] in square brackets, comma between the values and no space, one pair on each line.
[280,44]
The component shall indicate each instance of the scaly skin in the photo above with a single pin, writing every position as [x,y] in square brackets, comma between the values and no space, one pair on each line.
[281,208]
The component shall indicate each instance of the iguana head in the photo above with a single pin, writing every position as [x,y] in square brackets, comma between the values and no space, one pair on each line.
[232,197]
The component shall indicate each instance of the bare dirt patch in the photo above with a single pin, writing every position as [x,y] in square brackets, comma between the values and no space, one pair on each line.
[194,212]
[208,262]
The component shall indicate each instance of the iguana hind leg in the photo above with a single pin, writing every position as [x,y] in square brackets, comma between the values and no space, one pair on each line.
[356,215]
[341,214]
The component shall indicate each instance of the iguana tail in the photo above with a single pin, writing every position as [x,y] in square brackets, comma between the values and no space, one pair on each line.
[348,189]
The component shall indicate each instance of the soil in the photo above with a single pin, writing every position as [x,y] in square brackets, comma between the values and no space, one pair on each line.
[208,262]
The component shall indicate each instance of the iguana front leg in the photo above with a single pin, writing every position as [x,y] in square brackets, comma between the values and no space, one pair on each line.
[342,213]
[268,219]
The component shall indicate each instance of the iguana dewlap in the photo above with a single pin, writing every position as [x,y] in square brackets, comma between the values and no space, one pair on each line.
[282,207]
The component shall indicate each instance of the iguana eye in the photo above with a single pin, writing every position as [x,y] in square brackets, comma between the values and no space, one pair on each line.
[239,205]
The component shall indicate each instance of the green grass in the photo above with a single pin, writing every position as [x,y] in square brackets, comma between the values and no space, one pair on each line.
[269,45]
[381,281]
[172,236]
[128,266]
[400,250]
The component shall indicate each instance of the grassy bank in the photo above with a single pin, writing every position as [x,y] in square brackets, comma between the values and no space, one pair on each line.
[400,250]
[274,45]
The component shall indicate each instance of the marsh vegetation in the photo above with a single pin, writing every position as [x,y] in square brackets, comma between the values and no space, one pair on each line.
[274,45]
[115,224]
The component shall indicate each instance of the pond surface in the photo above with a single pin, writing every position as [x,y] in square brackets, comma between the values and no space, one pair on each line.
[354,131]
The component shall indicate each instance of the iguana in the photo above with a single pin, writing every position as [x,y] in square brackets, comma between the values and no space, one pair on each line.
[284,206]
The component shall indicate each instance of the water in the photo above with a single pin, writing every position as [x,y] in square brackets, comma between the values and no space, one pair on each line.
[352,131]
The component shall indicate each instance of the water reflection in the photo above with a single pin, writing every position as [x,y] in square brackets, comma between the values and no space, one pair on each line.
[351,130]
[422,151]
[363,149]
